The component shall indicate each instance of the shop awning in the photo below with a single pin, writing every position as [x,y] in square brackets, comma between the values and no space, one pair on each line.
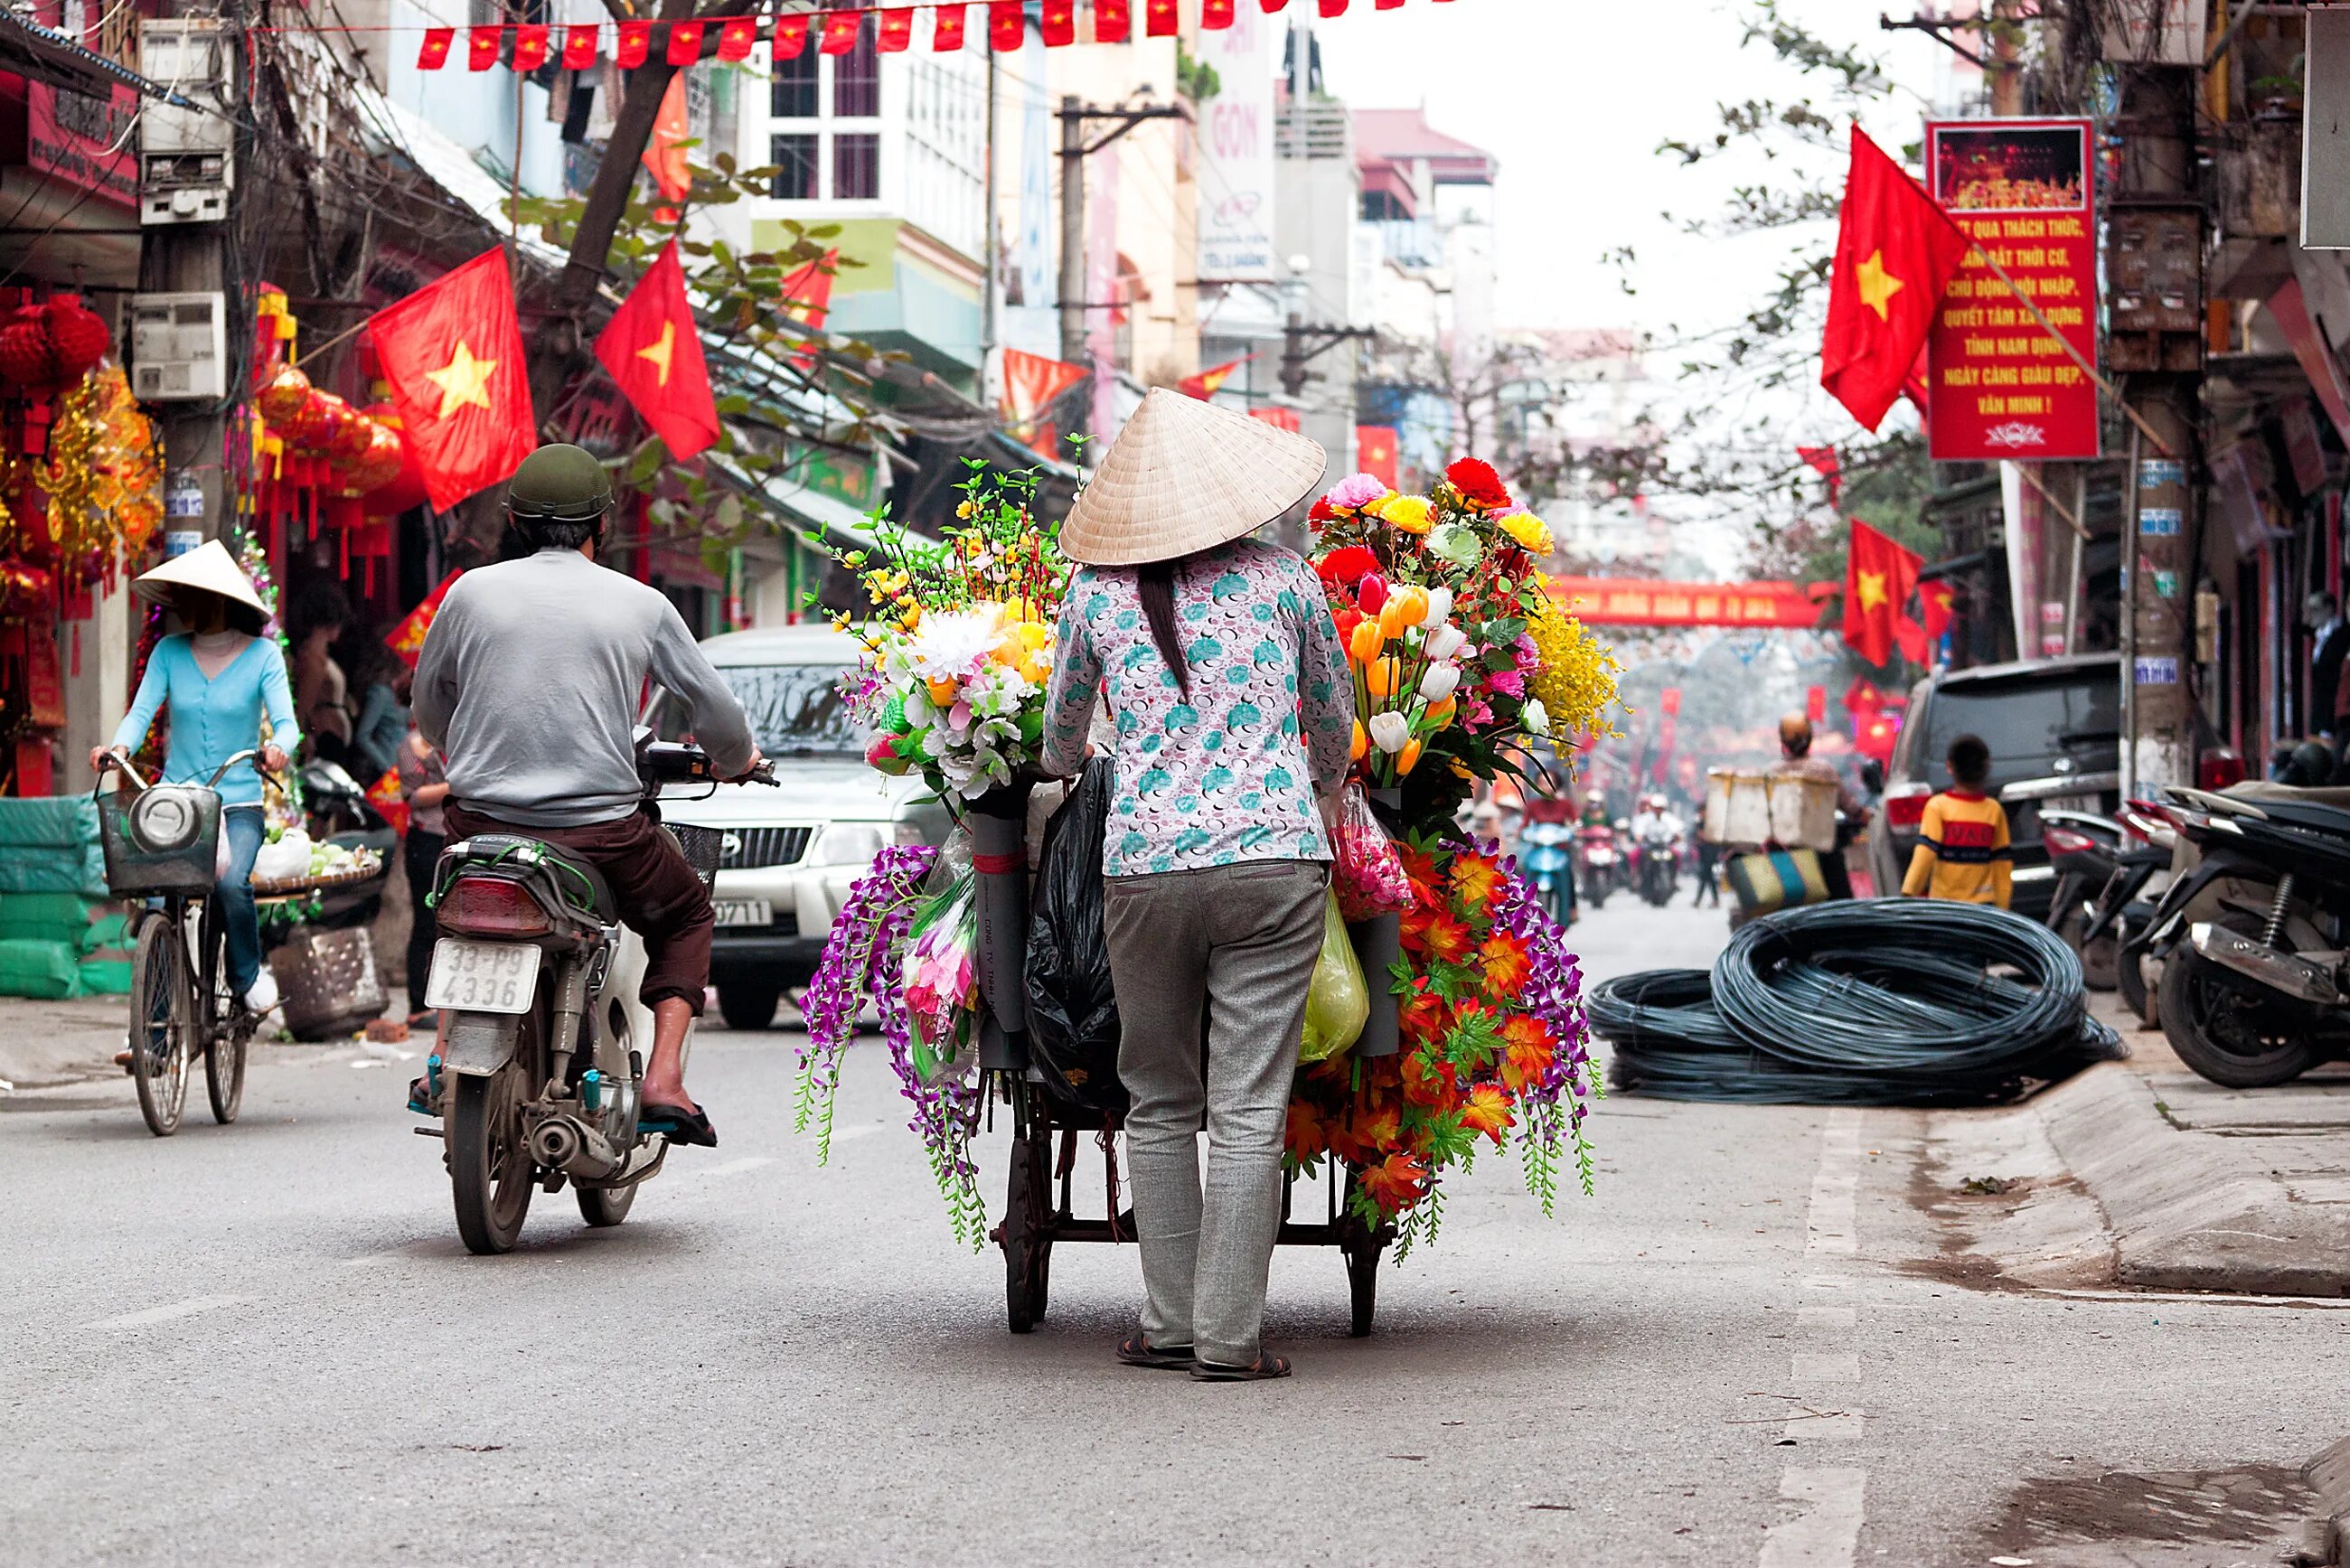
[43,55]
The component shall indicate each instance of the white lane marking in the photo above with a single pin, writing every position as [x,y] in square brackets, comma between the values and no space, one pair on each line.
[841,1135]
[1811,1366]
[188,1308]
[1826,1534]
[1827,1531]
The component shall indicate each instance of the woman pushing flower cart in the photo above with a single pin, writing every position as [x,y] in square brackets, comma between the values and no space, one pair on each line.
[1288,744]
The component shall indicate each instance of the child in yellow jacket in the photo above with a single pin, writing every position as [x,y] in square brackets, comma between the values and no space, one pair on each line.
[1963,844]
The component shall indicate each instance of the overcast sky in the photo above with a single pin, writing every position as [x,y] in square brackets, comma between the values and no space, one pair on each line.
[1573,97]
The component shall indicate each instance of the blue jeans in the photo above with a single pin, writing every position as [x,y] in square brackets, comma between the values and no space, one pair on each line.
[240,924]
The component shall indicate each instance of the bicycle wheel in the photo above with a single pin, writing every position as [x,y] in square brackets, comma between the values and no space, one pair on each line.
[227,1028]
[163,1024]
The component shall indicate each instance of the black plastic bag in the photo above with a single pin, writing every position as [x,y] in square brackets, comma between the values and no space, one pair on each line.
[1072,1010]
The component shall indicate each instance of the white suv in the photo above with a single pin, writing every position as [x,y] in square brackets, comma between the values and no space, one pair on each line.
[792,853]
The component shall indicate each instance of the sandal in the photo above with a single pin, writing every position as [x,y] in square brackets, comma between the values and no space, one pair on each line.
[420,1097]
[679,1124]
[1263,1367]
[1137,1351]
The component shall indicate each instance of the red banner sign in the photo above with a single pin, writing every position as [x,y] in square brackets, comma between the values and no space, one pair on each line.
[1607,601]
[2002,387]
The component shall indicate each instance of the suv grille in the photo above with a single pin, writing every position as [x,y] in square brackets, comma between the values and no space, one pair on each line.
[751,849]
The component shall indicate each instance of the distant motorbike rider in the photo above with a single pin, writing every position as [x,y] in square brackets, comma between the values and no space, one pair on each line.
[529,684]
[1795,760]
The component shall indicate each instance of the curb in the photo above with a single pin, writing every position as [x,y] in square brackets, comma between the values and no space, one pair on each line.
[2329,1475]
[2189,1212]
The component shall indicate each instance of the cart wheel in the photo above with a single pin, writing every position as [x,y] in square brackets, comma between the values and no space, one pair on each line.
[1027,1245]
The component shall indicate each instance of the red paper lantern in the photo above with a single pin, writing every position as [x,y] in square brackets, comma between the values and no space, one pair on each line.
[282,395]
[380,464]
[350,436]
[52,345]
[406,490]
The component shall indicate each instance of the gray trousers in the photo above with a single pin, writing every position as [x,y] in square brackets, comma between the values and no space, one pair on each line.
[1240,942]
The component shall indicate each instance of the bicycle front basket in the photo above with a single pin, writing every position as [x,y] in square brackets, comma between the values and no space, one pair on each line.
[165,840]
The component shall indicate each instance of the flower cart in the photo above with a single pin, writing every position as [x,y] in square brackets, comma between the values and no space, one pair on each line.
[1473,1029]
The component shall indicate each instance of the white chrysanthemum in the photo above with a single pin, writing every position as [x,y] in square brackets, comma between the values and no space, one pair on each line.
[956,643]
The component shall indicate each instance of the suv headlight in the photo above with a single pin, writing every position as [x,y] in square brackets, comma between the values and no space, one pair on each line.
[845,844]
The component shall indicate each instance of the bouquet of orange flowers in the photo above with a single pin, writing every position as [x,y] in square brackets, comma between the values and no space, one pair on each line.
[1495,1044]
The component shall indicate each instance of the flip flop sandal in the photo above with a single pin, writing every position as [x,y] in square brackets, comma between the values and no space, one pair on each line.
[1264,1366]
[420,1097]
[690,1125]
[1137,1351]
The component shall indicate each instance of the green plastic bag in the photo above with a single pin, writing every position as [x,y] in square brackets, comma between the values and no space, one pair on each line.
[46,970]
[1338,1002]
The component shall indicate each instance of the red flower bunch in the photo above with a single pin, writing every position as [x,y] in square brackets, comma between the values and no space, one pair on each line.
[1345,568]
[1479,486]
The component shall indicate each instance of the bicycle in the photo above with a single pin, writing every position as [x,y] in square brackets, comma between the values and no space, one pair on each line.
[163,844]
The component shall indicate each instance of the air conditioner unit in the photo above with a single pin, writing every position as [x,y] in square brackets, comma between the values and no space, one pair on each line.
[186,165]
[179,347]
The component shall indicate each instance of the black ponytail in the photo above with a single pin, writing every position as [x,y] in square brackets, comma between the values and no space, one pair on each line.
[1155,584]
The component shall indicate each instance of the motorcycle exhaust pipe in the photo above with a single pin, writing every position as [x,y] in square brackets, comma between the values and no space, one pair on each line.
[573,1147]
[2279,970]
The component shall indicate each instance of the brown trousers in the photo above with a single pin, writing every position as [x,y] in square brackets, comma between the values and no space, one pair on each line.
[660,897]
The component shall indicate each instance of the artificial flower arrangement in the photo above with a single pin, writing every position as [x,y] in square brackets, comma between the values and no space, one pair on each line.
[960,647]
[1461,656]
[1491,1036]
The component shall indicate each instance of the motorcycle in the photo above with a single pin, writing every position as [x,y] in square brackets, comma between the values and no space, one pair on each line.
[1542,851]
[336,810]
[2084,850]
[1659,867]
[2254,985]
[2125,907]
[541,1052]
[1600,861]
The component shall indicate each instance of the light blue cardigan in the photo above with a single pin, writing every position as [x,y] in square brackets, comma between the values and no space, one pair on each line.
[214,718]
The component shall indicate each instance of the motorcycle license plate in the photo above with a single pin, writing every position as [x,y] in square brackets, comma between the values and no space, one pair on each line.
[481,977]
[744,911]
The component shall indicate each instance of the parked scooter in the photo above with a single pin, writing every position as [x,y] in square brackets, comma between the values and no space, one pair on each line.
[2254,986]
[2082,850]
[2125,907]
[541,1051]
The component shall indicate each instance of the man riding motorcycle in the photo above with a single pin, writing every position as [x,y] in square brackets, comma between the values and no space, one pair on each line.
[529,684]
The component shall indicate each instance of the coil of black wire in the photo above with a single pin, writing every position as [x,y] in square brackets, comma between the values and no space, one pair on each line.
[1867,1002]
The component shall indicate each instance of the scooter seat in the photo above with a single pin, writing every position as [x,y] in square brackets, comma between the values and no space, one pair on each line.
[2262,792]
[583,886]
[2312,816]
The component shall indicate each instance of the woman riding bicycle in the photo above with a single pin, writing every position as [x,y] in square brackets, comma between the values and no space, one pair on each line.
[219,676]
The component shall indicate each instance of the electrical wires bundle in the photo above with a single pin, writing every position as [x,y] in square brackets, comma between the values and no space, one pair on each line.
[1873,1002]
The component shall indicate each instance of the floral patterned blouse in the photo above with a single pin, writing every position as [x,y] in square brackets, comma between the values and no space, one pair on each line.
[1231,774]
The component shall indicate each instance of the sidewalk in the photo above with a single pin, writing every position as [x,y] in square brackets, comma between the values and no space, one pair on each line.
[43,1043]
[2206,1189]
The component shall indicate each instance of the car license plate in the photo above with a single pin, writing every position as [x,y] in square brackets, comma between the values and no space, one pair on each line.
[481,977]
[744,911]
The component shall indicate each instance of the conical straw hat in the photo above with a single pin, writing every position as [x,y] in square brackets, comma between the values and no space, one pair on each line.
[1186,475]
[208,567]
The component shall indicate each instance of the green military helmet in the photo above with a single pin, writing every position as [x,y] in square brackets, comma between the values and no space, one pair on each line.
[559,484]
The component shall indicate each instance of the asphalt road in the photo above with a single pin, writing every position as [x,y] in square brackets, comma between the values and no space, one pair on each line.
[264,1343]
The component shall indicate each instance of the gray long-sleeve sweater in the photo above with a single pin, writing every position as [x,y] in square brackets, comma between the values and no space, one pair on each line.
[531,680]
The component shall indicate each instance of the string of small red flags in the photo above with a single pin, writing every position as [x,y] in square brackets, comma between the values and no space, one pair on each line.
[578,45]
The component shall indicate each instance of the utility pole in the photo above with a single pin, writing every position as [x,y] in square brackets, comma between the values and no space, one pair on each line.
[989,379]
[2156,339]
[186,226]
[1302,342]
[1075,116]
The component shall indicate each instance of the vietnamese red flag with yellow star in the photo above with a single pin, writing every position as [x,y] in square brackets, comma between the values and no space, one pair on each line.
[653,351]
[452,354]
[1878,578]
[1895,253]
